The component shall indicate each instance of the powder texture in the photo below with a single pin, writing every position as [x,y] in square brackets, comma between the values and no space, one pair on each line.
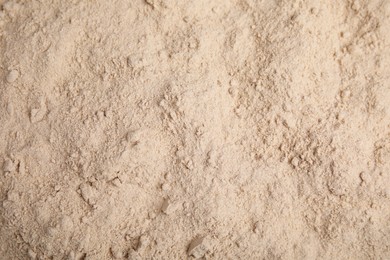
[175,129]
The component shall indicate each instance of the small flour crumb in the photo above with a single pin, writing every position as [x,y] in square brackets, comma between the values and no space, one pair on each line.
[198,247]
[8,165]
[12,76]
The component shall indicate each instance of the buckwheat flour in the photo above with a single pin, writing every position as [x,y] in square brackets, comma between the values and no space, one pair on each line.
[167,129]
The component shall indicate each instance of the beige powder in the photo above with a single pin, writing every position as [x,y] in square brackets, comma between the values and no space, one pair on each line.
[167,129]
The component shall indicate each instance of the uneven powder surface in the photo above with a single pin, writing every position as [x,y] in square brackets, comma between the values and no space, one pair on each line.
[175,129]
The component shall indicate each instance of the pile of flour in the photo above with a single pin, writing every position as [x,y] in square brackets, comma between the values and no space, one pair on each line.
[171,129]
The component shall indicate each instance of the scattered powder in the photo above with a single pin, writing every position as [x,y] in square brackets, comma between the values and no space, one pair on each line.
[167,129]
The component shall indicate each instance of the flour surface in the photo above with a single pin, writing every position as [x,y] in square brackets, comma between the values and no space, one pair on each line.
[177,129]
